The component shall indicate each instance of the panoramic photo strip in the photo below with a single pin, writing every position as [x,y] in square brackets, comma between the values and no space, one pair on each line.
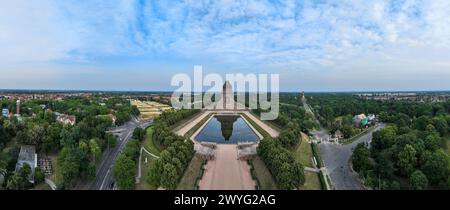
[205,103]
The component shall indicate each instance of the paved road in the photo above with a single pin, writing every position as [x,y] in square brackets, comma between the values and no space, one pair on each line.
[336,158]
[104,179]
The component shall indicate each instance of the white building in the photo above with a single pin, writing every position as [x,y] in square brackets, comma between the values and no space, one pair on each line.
[28,156]
[5,112]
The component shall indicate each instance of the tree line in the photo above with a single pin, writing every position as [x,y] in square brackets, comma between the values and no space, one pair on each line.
[178,151]
[409,153]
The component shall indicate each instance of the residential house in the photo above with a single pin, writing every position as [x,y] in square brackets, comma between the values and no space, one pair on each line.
[360,120]
[338,134]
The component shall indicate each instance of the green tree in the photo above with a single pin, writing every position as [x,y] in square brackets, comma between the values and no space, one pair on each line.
[360,158]
[94,149]
[436,168]
[169,177]
[418,181]
[124,172]
[407,160]
[39,176]
[69,162]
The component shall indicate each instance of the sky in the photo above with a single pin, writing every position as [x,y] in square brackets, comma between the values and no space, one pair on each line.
[335,45]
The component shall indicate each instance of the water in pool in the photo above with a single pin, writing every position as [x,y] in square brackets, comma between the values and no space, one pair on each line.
[227,129]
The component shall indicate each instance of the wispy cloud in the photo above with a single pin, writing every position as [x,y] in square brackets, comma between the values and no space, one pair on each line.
[310,37]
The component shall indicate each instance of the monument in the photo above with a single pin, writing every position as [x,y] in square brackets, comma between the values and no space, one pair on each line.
[228,102]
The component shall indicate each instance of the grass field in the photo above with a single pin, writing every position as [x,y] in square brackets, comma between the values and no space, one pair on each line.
[312,181]
[149,144]
[56,176]
[263,175]
[192,173]
[257,127]
[303,153]
[143,185]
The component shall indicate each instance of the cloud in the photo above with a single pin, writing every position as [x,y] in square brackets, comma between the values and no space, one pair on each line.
[322,37]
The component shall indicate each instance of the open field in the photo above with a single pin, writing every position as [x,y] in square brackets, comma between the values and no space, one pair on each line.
[303,153]
[143,185]
[266,181]
[312,181]
[149,144]
[192,173]
[150,109]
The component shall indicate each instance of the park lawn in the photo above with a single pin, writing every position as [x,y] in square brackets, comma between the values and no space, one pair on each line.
[266,181]
[42,186]
[184,121]
[56,177]
[143,185]
[149,144]
[263,132]
[312,181]
[303,153]
[192,173]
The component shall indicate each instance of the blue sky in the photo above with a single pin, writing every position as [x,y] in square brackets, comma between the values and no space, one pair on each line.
[339,45]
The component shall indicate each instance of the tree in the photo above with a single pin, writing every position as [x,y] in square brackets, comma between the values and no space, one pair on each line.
[347,130]
[169,177]
[124,172]
[360,158]
[441,126]
[418,181]
[384,138]
[91,170]
[15,182]
[407,160]
[432,142]
[69,162]
[154,174]
[436,168]
[39,176]
[19,180]
[94,149]
[139,134]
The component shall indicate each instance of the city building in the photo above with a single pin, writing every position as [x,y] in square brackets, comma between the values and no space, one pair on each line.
[67,119]
[27,155]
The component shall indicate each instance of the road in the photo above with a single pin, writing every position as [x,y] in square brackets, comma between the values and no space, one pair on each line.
[336,158]
[104,179]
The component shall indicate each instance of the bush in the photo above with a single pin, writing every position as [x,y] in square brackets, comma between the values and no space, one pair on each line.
[39,176]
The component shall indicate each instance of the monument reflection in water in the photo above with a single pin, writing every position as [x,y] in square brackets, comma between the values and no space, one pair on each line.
[227,129]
